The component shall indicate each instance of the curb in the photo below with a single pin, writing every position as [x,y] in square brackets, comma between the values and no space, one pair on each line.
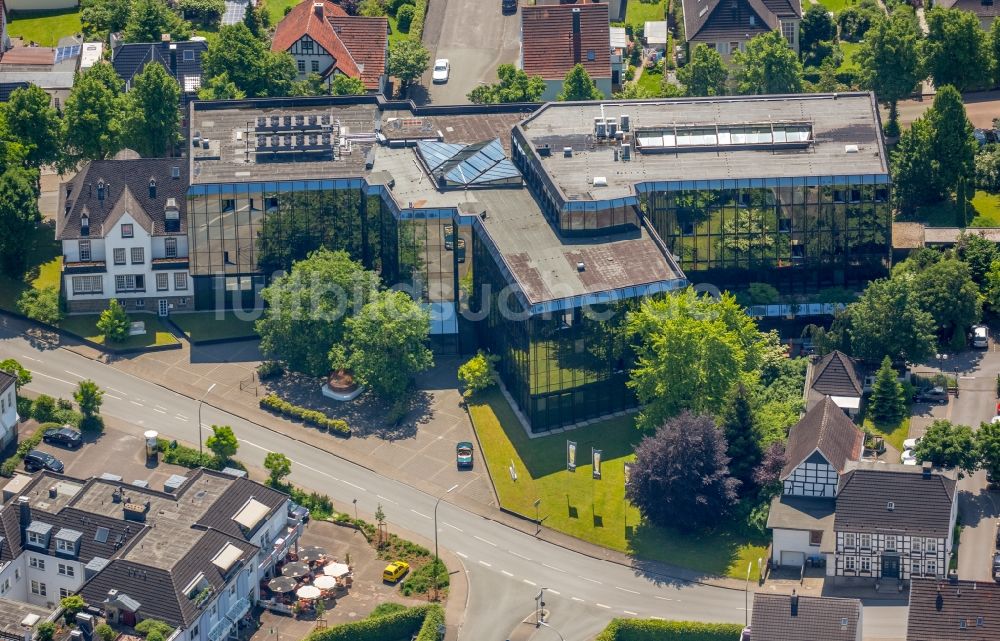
[64,334]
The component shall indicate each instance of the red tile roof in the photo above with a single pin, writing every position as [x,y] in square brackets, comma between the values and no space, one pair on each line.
[550,48]
[356,43]
[29,56]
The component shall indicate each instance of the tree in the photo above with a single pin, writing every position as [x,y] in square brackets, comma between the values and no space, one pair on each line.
[577,85]
[153,118]
[994,37]
[379,514]
[150,19]
[41,305]
[738,426]
[947,445]
[767,475]
[257,19]
[71,605]
[988,449]
[690,352]
[890,62]
[18,216]
[221,88]
[404,17]
[92,119]
[705,74]
[222,442]
[113,323]
[408,60]
[679,478]
[514,86]
[208,13]
[11,366]
[957,51]
[856,20]
[306,309]
[45,631]
[477,373]
[978,253]
[372,8]
[887,405]
[946,291]
[817,26]
[914,175]
[89,397]
[767,66]
[43,408]
[347,86]
[101,17]
[278,466]
[34,125]
[248,63]
[953,145]
[887,321]
[386,344]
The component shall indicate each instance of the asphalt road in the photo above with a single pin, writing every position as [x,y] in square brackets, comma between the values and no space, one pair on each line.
[476,37]
[506,567]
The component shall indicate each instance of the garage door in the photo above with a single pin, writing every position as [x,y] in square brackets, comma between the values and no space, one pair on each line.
[793,559]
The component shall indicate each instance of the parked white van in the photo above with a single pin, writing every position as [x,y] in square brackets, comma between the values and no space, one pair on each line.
[980,336]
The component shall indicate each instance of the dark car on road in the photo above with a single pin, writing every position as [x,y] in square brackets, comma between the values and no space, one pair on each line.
[463,454]
[936,394]
[508,6]
[38,460]
[65,436]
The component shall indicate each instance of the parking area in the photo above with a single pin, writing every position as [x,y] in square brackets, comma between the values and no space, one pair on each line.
[476,37]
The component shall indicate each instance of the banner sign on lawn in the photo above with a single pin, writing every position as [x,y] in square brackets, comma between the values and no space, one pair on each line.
[628,473]
[597,463]
[570,456]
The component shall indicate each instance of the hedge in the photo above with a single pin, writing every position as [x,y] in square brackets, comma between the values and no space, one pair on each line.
[422,620]
[177,454]
[10,465]
[278,405]
[417,24]
[656,630]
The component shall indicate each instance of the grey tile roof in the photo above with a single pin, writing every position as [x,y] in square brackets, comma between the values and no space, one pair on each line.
[920,506]
[828,429]
[836,375]
[220,517]
[6,380]
[777,617]
[940,609]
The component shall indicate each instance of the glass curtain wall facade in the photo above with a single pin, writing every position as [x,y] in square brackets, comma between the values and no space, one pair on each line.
[561,368]
[793,235]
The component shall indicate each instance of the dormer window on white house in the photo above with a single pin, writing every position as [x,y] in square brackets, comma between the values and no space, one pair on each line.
[85,225]
[38,534]
[65,546]
[127,230]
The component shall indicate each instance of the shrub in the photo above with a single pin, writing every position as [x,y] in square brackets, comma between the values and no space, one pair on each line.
[422,621]
[41,305]
[24,407]
[207,12]
[404,17]
[45,631]
[147,627]
[477,374]
[43,408]
[396,5]
[106,632]
[421,580]
[656,630]
[278,405]
[9,466]
[177,454]
[270,369]
[67,417]
[64,404]
[113,323]
[417,25]
[71,605]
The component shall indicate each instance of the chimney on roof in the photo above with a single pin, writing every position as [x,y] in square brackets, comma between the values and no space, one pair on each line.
[794,600]
[576,34]
[152,187]
[318,8]
[100,189]
[24,510]
[926,468]
[165,38]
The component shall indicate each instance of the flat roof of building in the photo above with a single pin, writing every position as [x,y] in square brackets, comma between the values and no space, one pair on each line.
[837,122]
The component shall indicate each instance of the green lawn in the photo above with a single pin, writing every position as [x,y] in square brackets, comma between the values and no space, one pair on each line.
[639,12]
[983,211]
[44,268]
[987,208]
[835,6]
[894,434]
[44,27]
[206,326]
[652,81]
[850,49]
[276,9]
[85,326]
[596,511]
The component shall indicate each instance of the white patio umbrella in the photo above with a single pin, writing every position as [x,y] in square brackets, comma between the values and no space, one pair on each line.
[308,592]
[336,570]
[324,582]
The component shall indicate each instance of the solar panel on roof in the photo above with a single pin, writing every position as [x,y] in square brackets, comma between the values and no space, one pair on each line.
[63,53]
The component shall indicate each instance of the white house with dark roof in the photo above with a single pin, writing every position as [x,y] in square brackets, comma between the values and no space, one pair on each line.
[835,375]
[790,617]
[8,409]
[123,228]
[727,25]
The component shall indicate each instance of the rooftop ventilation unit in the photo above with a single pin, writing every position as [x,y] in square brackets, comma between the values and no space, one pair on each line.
[612,127]
[567,152]
[544,151]
[850,149]
[600,128]
[581,267]
[626,152]
[600,181]
[625,121]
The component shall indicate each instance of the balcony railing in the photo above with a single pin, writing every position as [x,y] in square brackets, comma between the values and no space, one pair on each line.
[281,549]
[220,630]
[238,610]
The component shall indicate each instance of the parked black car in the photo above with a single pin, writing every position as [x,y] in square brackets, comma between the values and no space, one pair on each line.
[508,6]
[936,394]
[38,460]
[65,436]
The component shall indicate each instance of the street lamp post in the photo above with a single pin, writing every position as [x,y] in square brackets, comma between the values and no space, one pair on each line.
[539,604]
[746,597]
[538,521]
[201,401]
[436,504]
[355,509]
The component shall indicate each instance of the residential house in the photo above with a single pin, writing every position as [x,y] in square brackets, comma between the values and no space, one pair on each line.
[790,617]
[182,60]
[655,35]
[819,448]
[616,8]
[50,68]
[836,376]
[893,522]
[324,40]
[123,228]
[192,554]
[8,410]
[953,610]
[555,38]
[727,25]
[985,10]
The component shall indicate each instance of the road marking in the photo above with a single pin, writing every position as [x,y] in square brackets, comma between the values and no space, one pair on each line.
[506,572]
[356,487]
[30,358]
[74,374]
[618,587]
[455,527]
[552,567]
[387,499]
[184,420]
[136,403]
[117,398]
[118,390]
[53,378]
[663,598]
[520,556]
[484,540]
[589,579]
[601,605]
[464,556]
[415,512]
[555,591]
[529,582]
[635,614]
[156,409]
[576,598]
[160,407]
[489,565]
[182,417]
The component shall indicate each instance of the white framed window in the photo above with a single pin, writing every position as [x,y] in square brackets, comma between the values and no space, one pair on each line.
[866,564]
[931,545]
[162,281]
[63,593]
[302,66]
[127,231]
[930,566]
[315,66]
[138,255]
[916,544]
[65,546]
[891,542]
[915,568]
[84,246]
[35,562]
[140,303]
[88,285]
[34,538]
[788,31]
[5,586]
[66,570]
[849,540]
[865,540]
[130,283]
[850,564]
[188,55]
[180,280]
[119,253]
[170,247]
[37,587]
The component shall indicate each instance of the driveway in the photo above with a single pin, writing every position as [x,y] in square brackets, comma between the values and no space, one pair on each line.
[476,37]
